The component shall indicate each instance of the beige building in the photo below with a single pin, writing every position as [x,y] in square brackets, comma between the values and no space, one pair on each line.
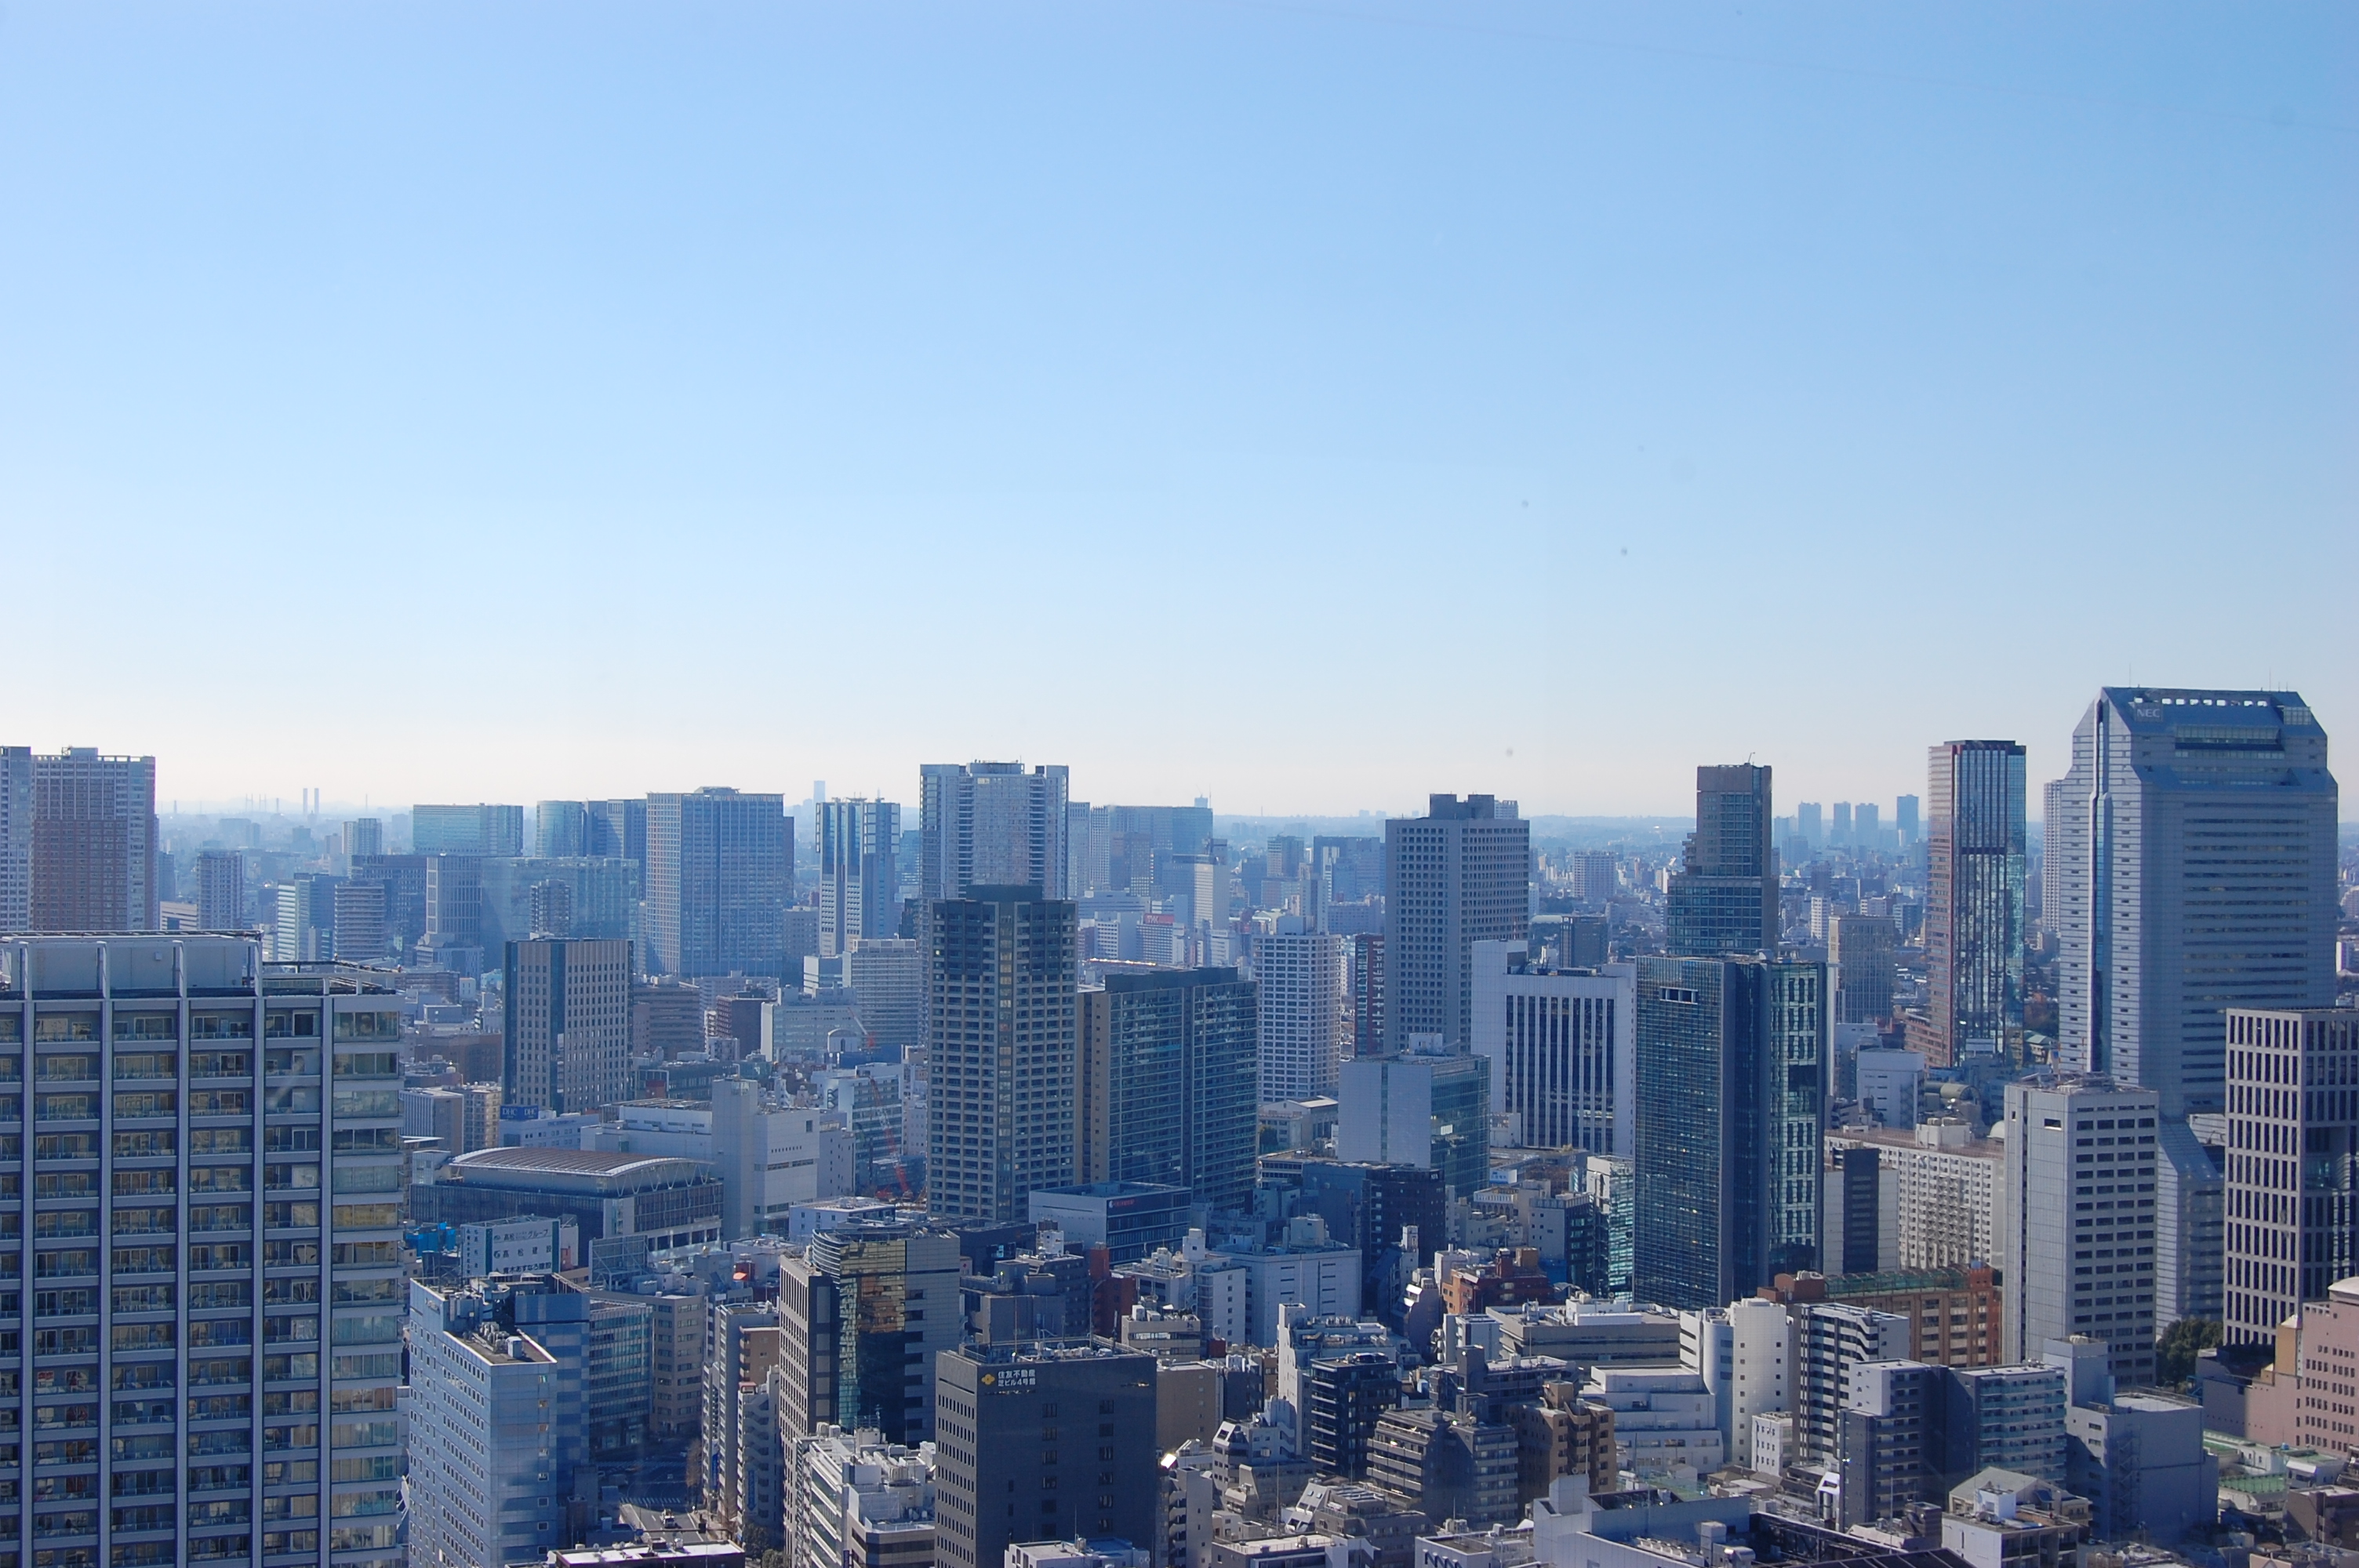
[1944,1201]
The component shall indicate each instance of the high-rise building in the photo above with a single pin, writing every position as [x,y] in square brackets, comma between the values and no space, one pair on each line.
[2191,1202]
[1421,1108]
[1977,852]
[1042,1443]
[87,845]
[1458,875]
[597,894]
[560,827]
[859,873]
[15,837]
[2052,855]
[719,874]
[992,824]
[1904,819]
[1167,1092]
[1732,1086]
[194,1258]
[1002,1050]
[303,925]
[500,1415]
[1306,1013]
[454,912]
[618,830]
[1562,1048]
[1367,1036]
[360,923]
[1863,954]
[220,890]
[889,975]
[2292,1210]
[2197,874]
[2075,1140]
[466,829]
[403,878]
[863,1314]
[1724,897]
[1832,1339]
[364,836]
[567,1024]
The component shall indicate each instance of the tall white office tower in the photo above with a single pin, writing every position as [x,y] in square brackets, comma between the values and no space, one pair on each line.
[2077,1232]
[214,1376]
[859,873]
[1458,875]
[2292,1211]
[992,824]
[1563,1047]
[1306,1013]
[2197,874]
[1002,1051]
[220,890]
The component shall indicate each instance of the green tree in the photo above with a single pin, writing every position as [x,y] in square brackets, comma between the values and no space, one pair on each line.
[2175,1351]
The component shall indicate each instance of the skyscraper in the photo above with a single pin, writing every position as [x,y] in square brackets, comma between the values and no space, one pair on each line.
[1723,898]
[1002,1050]
[360,922]
[1167,1091]
[1731,1092]
[364,836]
[719,874]
[15,837]
[2196,864]
[1306,1013]
[862,1314]
[223,1325]
[1973,909]
[1424,1107]
[1458,875]
[1862,949]
[467,829]
[560,827]
[567,1024]
[2292,1220]
[992,824]
[618,830]
[91,859]
[859,873]
[2076,1248]
[220,890]
[2052,855]
[1562,1048]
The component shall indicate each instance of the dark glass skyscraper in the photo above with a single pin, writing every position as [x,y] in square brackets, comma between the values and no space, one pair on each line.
[1975,865]
[1002,1052]
[1730,1108]
[1169,1093]
[1724,898]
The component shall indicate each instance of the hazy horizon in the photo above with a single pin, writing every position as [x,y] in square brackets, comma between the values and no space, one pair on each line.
[1287,405]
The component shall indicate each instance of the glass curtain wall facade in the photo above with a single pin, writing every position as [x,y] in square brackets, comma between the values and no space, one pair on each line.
[1978,849]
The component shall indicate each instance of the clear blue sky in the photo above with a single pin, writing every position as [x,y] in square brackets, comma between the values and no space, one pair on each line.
[1308,405]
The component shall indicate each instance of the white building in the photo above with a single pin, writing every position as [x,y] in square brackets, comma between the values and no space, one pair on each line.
[1310,1272]
[518,1247]
[1305,1004]
[497,1425]
[2076,1139]
[1760,1376]
[769,1158]
[889,975]
[1561,1045]
[1943,1186]
[1889,1084]
[855,1500]
[2213,883]
[1663,1417]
